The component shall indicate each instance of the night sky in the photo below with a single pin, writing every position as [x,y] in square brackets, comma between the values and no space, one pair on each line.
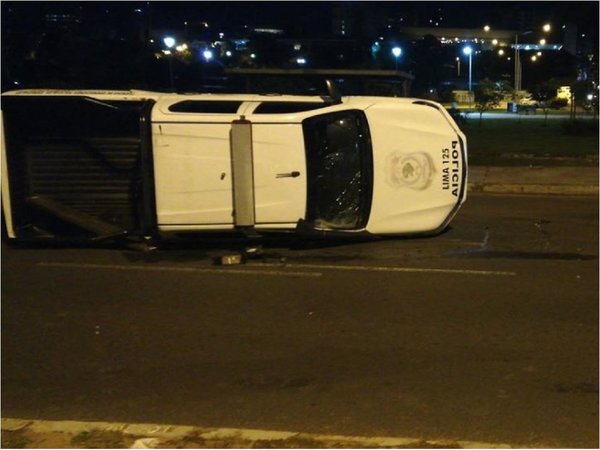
[314,15]
[314,18]
[115,43]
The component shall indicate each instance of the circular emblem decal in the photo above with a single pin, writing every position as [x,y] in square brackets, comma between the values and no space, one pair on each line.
[412,170]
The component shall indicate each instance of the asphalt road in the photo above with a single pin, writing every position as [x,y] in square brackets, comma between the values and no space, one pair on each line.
[488,332]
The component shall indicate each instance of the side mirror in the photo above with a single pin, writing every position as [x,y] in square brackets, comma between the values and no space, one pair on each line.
[334,92]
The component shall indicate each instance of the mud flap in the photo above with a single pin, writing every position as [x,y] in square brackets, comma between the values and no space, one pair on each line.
[242,168]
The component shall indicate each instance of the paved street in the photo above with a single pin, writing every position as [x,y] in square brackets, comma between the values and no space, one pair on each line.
[488,332]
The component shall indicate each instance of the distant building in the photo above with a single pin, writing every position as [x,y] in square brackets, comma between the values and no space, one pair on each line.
[485,40]
[389,83]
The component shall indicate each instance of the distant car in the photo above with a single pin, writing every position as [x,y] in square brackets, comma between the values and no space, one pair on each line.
[527,108]
[110,164]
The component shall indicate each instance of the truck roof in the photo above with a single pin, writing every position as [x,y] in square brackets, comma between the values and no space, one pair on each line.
[135,94]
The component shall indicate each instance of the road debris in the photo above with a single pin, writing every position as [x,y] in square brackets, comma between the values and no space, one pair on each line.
[146,443]
[231,260]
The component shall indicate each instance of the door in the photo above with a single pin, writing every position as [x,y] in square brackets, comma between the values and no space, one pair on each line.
[193,175]
[192,170]
[279,174]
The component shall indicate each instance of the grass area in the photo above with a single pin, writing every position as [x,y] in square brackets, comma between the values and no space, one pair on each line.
[99,439]
[14,439]
[524,142]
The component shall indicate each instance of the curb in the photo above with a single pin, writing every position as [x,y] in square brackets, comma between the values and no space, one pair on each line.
[567,180]
[546,189]
[35,432]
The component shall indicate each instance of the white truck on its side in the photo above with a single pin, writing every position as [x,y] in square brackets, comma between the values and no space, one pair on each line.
[109,164]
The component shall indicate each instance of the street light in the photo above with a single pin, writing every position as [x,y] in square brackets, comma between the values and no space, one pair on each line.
[208,54]
[396,51]
[469,52]
[170,43]
[518,67]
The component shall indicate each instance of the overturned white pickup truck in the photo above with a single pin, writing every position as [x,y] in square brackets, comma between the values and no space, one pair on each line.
[104,164]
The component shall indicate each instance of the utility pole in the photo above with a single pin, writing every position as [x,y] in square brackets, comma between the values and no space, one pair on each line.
[517,64]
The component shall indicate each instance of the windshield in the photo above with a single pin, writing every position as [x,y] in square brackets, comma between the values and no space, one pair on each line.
[340,167]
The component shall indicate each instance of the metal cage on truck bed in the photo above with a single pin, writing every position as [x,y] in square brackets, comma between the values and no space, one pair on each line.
[78,167]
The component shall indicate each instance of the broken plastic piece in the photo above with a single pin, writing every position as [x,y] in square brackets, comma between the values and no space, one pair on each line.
[229,260]
[253,252]
[145,443]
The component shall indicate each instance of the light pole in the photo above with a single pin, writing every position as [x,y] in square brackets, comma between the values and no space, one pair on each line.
[396,51]
[518,67]
[469,52]
[170,43]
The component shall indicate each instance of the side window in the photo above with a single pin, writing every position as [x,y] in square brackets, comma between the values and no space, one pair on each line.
[206,106]
[287,107]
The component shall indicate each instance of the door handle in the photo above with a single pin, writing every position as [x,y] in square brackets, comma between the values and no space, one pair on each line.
[293,174]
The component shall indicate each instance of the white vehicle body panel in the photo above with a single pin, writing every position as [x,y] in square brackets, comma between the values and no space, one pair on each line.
[279,152]
[189,163]
[5,186]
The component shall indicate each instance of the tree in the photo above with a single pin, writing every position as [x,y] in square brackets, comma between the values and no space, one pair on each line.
[488,94]
[544,94]
[579,91]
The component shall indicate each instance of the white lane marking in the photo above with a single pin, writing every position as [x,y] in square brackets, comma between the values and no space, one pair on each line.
[283,269]
[221,271]
[394,269]
[170,433]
